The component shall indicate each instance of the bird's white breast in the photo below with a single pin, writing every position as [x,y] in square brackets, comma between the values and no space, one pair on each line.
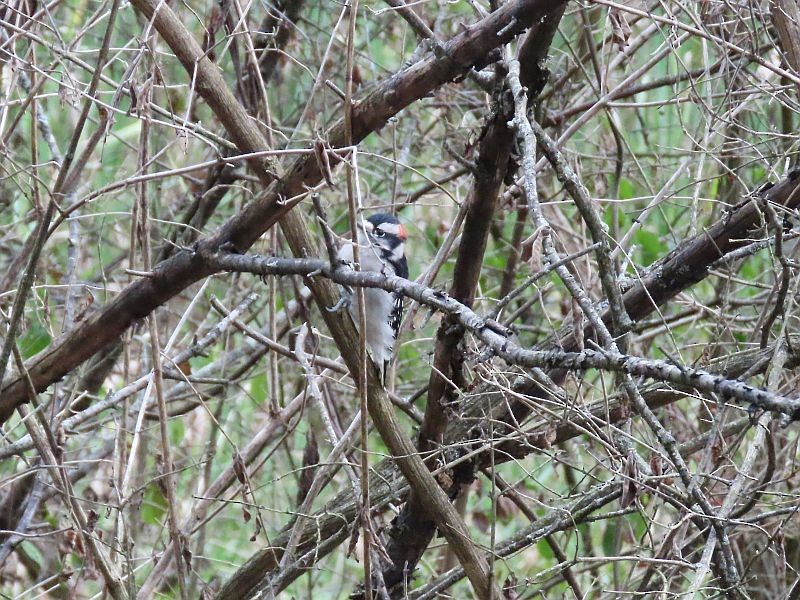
[379,305]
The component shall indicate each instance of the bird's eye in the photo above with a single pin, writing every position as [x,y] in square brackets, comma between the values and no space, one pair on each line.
[379,232]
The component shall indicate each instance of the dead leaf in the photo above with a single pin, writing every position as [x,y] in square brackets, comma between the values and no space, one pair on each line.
[310,462]
[629,484]
[506,509]
[323,161]
[91,520]
[620,30]
[655,465]
[239,468]
[481,521]
[351,547]
[510,588]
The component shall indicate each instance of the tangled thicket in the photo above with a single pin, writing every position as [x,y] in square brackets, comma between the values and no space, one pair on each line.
[593,394]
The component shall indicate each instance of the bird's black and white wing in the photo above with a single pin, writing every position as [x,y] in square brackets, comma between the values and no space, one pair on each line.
[381,250]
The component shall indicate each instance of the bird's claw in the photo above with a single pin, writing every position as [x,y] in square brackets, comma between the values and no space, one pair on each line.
[344,302]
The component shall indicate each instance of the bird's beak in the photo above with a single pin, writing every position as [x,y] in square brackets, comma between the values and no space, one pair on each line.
[402,233]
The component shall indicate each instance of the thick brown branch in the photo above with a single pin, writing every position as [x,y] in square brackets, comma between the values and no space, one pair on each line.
[500,345]
[412,531]
[331,523]
[679,270]
[461,53]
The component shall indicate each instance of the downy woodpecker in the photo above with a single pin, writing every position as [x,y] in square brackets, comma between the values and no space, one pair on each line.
[380,240]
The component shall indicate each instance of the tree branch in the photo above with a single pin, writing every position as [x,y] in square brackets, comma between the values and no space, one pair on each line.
[464,51]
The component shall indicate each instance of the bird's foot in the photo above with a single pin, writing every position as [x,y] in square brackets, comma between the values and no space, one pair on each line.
[345,300]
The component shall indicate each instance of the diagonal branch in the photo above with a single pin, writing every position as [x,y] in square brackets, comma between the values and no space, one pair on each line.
[687,264]
[496,340]
[463,52]
[412,531]
[331,523]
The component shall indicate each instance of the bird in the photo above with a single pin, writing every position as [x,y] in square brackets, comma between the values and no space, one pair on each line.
[381,240]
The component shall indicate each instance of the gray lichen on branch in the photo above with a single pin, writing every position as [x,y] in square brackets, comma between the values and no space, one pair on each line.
[501,346]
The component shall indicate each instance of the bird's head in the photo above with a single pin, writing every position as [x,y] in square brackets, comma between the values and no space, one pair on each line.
[386,232]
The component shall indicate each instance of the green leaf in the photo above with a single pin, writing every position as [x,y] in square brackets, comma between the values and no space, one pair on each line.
[176,431]
[651,246]
[36,339]
[154,505]
[544,550]
[638,523]
[610,541]
[626,189]
[198,362]
[258,388]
